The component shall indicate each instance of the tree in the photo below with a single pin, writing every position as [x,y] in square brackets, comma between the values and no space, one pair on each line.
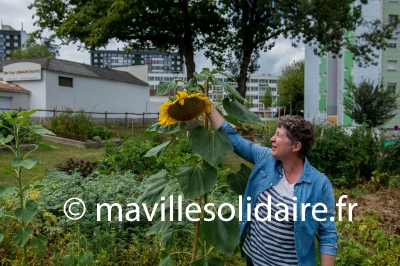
[291,87]
[249,102]
[267,98]
[184,25]
[370,104]
[33,51]
[325,25]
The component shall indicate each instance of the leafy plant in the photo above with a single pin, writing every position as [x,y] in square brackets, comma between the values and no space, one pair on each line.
[346,158]
[28,208]
[84,168]
[100,131]
[76,123]
[26,135]
[197,178]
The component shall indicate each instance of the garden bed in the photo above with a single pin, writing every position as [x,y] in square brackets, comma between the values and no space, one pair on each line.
[23,147]
[81,144]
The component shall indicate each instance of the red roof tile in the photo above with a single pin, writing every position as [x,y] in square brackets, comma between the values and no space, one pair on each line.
[7,86]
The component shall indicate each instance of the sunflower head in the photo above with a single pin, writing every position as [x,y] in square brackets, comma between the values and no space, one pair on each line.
[184,108]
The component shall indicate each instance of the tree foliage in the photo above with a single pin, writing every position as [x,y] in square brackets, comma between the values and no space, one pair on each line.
[291,87]
[34,51]
[369,103]
[267,98]
[185,25]
[324,25]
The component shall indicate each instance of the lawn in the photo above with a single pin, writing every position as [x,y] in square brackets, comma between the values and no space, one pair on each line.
[48,160]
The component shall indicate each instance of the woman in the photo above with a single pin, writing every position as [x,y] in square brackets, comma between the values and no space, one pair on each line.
[291,201]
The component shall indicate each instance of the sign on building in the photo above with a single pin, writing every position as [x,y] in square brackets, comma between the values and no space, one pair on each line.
[22,71]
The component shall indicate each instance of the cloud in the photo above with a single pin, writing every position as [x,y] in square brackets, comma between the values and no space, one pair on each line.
[16,14]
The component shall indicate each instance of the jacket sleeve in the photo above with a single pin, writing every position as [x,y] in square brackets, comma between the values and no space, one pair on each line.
[327,235]
[244,148]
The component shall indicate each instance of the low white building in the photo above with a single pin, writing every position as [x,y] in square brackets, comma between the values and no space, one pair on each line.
[60,84]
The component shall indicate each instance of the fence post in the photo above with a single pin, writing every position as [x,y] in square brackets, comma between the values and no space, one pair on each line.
[54,112]
[105,120]
[143,120]
[126,119]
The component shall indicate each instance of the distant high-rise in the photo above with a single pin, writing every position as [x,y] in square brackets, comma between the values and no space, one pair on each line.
[10,39]
[157,62]
[325,77]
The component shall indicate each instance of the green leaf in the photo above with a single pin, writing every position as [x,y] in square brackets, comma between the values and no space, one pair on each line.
[69,260]
[202,76]
[238,111]
[192,86]
[4,191]
[166,87]
[28,163]
[170,129]
[1,213]
[162,226]
[157,150]
[211,145]
[85,258]
[26,113]
[222,235]
[157,186]
[230,89]
[235,122]
[24,121]
[39,129]
[1,123]
[196,180]
[166,261]
[4,141]
[167,239]
[21,237]
[238,181]
[205,261]
[27,213]
[39,243]
[1,238]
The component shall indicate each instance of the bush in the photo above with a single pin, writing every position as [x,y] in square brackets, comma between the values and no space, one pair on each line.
[75,123]
[84,168]
[100,131]
[390,159]
[345,158]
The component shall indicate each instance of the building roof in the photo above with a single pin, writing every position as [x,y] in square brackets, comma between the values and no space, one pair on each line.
[69,67]
[7,86]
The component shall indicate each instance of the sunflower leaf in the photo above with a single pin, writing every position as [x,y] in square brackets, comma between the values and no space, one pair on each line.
[196,180]
[211,145]
[238,181]
[170,129]
[157,150]
[166,87]
[238,111]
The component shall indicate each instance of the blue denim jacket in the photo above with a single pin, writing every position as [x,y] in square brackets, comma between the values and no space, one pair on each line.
[312,188]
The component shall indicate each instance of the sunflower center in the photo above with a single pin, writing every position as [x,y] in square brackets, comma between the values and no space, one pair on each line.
[190,109]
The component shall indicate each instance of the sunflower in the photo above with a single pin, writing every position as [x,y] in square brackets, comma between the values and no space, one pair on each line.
[184,108]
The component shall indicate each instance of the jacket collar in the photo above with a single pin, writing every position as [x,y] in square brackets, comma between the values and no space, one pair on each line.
[305,176]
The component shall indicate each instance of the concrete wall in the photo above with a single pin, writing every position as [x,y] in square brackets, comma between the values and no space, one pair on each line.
[18,99]
[96,95]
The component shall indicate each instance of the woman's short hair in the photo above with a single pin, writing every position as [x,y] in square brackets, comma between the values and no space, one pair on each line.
[299,129]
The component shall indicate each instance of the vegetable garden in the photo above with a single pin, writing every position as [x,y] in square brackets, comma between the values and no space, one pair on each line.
[199,168]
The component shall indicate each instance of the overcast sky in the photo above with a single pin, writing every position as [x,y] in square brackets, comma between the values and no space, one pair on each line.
[16,14]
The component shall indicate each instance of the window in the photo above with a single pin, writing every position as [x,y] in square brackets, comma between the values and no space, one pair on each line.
[7,36]
[392,43]
[391,87]
[392,66]
[7,44]
[65,82]
[15,44]
[15,37]
[392,19]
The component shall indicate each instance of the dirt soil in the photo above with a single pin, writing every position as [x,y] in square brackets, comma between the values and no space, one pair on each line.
[386,203]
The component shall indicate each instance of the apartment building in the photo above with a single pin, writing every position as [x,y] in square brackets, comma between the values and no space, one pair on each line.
[10,39]
[326,76]
[156,61]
